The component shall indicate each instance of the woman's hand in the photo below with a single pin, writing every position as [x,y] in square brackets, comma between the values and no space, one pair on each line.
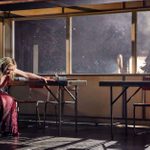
[45,79]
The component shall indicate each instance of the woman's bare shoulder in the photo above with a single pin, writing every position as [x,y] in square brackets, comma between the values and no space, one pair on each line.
[20,72]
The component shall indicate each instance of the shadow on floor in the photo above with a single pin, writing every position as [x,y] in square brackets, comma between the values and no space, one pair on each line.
[88,138]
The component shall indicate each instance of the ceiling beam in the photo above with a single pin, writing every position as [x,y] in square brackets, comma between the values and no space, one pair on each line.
[3,2]
[56,7]
[26,6]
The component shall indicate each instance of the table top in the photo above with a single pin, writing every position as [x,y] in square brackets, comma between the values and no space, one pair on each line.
[134,83]
[70,82]
[77,82]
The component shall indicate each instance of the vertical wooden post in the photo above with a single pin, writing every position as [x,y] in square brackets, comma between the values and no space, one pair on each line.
[68,45]
[134,42]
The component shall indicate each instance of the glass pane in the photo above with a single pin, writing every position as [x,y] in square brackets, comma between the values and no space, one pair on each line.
[143,44]
[102,43]
[40,45]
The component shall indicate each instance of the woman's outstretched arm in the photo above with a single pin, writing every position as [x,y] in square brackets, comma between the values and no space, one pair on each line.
[28,75]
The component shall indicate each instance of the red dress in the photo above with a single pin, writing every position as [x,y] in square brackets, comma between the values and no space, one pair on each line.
[8,113]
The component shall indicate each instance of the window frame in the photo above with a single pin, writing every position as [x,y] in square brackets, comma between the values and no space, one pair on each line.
[69,40]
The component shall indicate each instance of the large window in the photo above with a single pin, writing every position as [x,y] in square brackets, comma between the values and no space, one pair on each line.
[40,45]
[102,43]
[143,43]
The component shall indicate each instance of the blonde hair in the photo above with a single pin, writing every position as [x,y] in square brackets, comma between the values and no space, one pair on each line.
[5,62]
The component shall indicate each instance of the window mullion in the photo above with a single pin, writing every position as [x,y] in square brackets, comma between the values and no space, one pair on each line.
[68,45]
[134,41]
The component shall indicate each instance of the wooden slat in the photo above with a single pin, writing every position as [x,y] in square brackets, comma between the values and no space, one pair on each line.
[2,2]
[37,12]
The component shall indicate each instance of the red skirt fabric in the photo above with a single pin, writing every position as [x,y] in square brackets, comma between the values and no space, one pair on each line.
[8,113]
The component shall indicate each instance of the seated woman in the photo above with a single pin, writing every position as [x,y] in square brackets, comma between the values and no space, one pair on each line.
[8,110]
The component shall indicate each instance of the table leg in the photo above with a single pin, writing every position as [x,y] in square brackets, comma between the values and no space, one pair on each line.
[125,112]
[76,109]
[111,111]
[60,111]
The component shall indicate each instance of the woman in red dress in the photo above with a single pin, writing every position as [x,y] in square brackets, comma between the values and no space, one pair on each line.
[8,106]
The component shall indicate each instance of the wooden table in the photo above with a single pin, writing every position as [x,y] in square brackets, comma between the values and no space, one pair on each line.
[62,86]
[125,86]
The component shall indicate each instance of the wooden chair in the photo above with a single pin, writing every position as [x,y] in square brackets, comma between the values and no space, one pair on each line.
[34,100]
[142,104]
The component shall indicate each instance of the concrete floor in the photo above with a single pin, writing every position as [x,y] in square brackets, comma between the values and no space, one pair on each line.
[89,137]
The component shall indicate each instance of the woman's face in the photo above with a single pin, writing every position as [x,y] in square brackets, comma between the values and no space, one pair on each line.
[10,70]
